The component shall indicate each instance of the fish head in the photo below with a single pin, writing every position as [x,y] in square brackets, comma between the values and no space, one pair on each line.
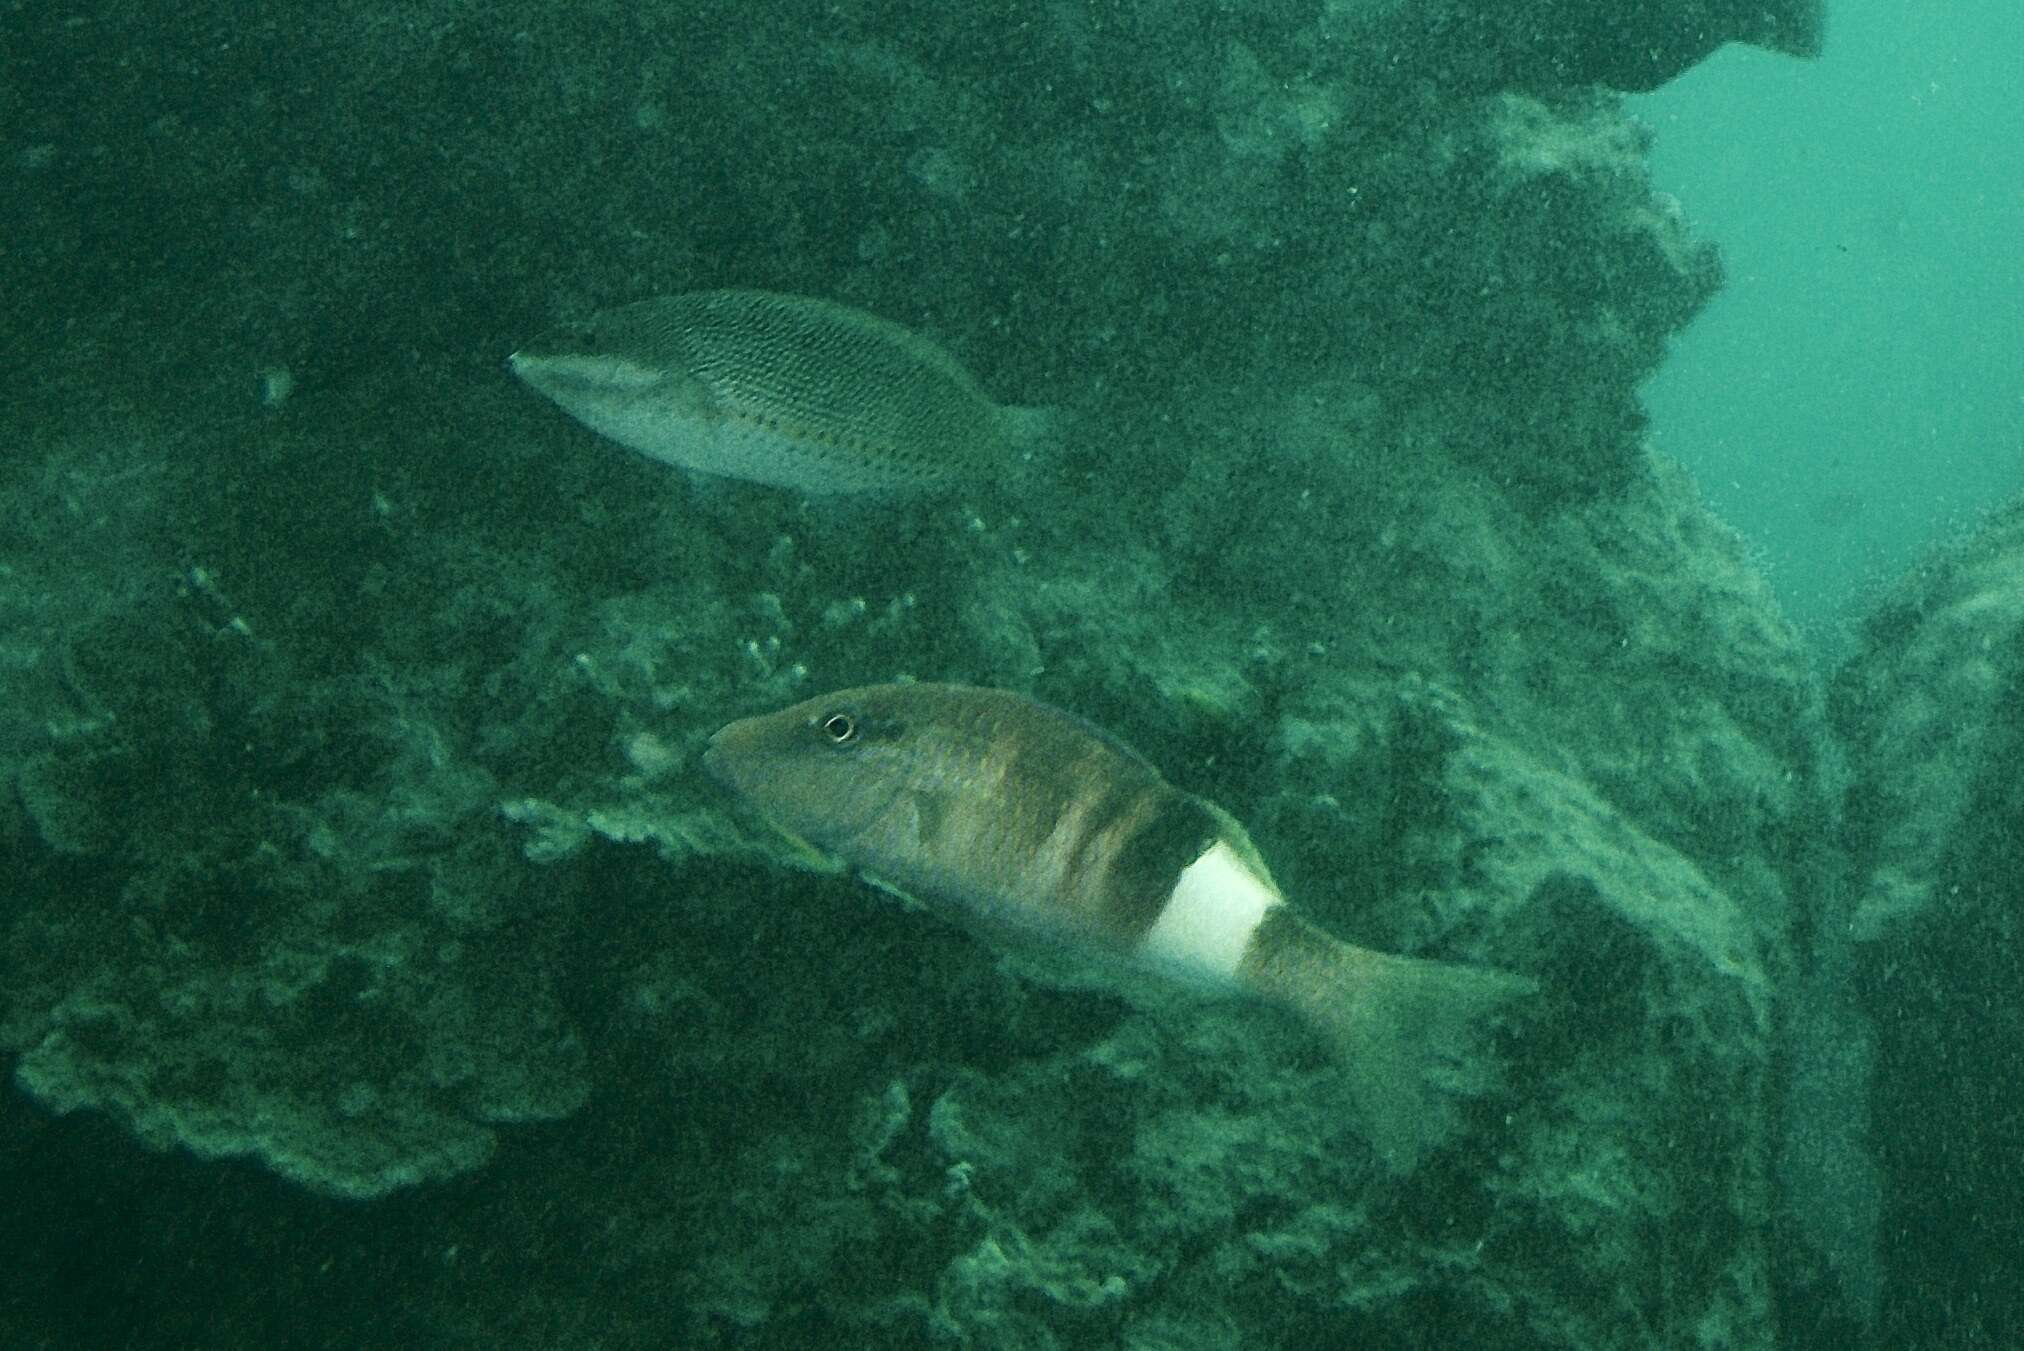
[608,375]
[828,771]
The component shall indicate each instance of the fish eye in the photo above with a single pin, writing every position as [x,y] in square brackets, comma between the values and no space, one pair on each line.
[840,728]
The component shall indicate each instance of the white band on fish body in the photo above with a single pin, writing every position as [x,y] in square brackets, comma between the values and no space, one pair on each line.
[1208,921]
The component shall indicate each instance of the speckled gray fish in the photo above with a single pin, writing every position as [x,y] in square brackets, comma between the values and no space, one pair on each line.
[785,390]
[1029,819]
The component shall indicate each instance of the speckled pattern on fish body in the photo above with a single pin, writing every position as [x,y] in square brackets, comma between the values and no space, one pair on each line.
[784,390]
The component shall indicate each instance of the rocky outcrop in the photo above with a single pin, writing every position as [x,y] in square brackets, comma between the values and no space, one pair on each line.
[1932,711]
[354,820]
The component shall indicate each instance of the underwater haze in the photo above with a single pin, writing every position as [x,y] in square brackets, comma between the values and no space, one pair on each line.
[1431,595]
[1856,393]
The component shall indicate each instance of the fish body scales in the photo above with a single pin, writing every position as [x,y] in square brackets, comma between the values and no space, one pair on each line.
[790,391]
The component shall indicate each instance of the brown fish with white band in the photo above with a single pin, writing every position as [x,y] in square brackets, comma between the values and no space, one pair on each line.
[1029,818]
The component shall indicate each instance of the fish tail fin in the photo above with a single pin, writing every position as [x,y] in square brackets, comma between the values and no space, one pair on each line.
[1412,1035]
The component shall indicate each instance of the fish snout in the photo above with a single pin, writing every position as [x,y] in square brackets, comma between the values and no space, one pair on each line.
[737,755]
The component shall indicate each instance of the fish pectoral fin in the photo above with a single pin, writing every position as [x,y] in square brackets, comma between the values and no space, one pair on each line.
[907,899]
[807,856]
[930,814]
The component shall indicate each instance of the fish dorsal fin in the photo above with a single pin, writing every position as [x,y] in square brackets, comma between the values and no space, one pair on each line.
[1239,840]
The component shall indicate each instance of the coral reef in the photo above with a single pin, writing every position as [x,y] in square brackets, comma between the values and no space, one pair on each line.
[354,829]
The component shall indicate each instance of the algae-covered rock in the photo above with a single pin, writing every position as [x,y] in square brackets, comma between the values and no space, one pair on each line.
[355,826]
[1932,710]
[261,912]
[1630,47]
[1576,798]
